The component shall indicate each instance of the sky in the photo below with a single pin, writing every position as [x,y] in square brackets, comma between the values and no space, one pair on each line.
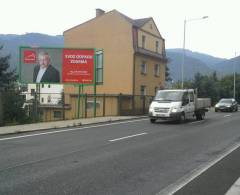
[218,35]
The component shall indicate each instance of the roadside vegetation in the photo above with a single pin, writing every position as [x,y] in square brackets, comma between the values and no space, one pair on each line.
[213,87]
[11,102]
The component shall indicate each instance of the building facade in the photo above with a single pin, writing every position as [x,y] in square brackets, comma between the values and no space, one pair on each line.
[45,99]
[134,62]
[133,51]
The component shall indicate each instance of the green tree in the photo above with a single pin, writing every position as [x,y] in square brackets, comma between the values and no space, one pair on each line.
[11,101]
[167,74]
[13,111]
[212,87]
[7,77]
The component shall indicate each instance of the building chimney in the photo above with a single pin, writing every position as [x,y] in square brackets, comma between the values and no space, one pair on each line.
[99,12]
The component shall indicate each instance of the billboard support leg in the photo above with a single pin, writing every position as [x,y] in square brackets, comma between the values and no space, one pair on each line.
[78,110]
[82,102]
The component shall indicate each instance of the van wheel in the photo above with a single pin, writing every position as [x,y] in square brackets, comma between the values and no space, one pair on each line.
[152,120]
[182,118]
[200,116]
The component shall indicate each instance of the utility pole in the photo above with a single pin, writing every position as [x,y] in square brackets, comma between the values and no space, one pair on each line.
[184,45]
[234,76]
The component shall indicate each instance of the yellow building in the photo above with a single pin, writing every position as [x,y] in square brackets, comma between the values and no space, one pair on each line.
[134,52]
[134,57]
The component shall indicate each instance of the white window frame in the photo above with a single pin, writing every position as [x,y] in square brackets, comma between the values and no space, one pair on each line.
[143,41]
[143,68]
[157,46]
[157,71]
[99,67]
[143,90]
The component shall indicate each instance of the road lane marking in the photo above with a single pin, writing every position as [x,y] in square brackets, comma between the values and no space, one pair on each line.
[228,115]
[130,136]
[235,188]
[183,181]
[67,130]
[196,122]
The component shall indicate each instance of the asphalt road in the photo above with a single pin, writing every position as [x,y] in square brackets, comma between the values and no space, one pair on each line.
[130,157]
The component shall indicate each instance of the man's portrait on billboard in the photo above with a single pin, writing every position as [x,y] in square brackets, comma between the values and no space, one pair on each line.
[44,72]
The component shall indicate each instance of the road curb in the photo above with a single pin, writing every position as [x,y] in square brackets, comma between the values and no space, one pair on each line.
[78,124]
[235,189]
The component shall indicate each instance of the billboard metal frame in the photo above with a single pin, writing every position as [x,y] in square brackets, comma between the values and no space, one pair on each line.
[79,85]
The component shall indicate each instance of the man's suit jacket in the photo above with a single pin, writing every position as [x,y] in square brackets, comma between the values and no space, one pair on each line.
[51,75]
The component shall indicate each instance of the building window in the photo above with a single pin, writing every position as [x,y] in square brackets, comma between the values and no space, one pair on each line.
[157,46]
[42,85]
[156,89]
[42,100]
[143,90]
[49,86]
[99,67]
[49,99]
[57,114]
[143,41]
[143,68]
[156,70]
[90,104]
[32,92]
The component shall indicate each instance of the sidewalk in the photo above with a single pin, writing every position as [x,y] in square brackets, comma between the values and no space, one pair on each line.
[61,124]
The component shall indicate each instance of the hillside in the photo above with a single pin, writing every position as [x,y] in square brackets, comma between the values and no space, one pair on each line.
[227,66]
[191,66]
[194,61]
[209,60]
[12,43]
[220,65]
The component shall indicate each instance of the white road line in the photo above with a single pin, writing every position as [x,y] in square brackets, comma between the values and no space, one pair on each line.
[66,130]
[228,115]
[130,136]
[180,183]
[196,122]
[235,188]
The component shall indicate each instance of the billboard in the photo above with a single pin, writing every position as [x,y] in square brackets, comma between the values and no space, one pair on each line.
[56,65]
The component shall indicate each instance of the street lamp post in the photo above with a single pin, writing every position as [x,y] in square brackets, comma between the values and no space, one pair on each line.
[234,76]
[184,39]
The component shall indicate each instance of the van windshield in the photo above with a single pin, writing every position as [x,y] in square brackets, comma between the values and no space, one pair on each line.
[226,101]
[169,96]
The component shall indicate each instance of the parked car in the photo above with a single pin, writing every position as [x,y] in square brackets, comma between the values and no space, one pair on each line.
[226,104]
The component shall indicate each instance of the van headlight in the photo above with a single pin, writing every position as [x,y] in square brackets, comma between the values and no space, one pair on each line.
[174,110]
[150,109]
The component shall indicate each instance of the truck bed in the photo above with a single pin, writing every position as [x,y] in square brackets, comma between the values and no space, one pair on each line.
[203,103]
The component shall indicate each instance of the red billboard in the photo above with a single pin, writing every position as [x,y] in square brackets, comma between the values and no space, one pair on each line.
[78,66]
[56,65]
[29,56]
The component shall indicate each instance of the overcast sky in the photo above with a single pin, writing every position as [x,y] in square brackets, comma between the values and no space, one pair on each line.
[219,35]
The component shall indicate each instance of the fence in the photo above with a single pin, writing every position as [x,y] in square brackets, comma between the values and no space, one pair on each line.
[65,106]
